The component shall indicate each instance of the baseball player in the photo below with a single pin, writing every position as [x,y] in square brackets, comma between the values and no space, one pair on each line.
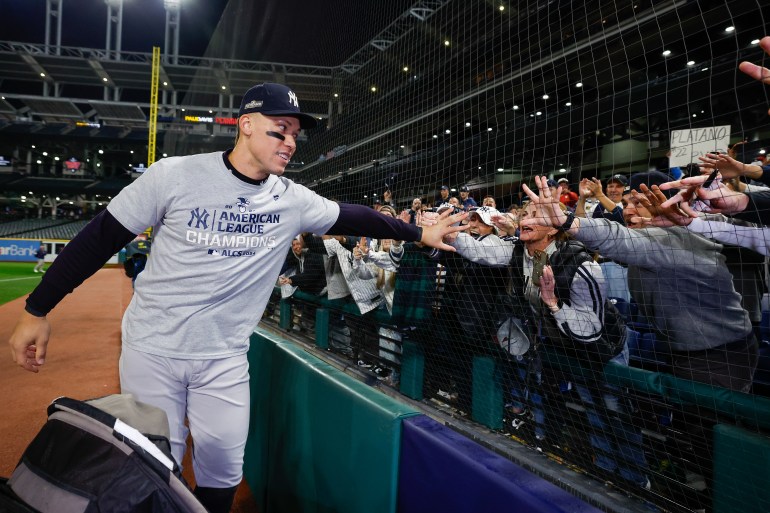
[222,224]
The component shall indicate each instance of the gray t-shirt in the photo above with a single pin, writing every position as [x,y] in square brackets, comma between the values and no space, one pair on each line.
[218,247]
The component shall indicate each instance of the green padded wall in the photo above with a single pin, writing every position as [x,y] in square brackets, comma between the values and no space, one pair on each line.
[319,440]
[741,471]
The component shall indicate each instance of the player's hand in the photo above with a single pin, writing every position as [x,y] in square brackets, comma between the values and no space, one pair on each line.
[29,341]
[445,224]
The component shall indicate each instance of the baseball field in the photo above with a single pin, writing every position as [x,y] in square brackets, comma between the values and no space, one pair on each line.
[16,280]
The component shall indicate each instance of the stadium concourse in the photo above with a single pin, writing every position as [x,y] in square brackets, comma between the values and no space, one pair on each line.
[84,351]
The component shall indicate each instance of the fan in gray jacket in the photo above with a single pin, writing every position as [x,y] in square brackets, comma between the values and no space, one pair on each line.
[681,284]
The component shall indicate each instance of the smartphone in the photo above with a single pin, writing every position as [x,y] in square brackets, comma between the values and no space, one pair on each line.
[539,261]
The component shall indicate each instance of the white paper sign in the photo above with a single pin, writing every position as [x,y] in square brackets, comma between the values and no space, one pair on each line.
[688,145]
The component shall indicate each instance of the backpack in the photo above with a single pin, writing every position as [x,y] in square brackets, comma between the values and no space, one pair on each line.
[565,262]
[107,454]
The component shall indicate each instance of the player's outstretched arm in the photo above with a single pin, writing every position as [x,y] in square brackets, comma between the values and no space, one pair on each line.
[29,341]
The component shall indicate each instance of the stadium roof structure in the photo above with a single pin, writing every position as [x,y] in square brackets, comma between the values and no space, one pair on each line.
[80,74]
[495,65]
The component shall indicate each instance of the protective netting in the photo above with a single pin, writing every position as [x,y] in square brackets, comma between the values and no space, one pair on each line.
[482,96]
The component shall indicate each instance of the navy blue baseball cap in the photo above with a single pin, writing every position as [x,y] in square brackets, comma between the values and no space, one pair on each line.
[274,100]
[622,180]
[649,179]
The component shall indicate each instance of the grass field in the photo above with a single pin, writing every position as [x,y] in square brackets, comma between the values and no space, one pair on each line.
[17,280]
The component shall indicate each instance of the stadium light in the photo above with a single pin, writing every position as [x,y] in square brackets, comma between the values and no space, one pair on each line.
[666,53]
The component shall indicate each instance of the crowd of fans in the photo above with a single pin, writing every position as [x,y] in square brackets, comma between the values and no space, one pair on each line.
[553,273]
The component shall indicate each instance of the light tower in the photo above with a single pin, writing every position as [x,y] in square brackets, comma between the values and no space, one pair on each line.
[53,13]
[114,16]
[171,48]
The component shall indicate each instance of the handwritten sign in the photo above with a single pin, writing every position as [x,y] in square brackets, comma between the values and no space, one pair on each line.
[688,145]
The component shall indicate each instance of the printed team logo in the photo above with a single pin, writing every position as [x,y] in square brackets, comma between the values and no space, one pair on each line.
[293,99]
[253,104]
[242,204]
[199,218]
[275,197]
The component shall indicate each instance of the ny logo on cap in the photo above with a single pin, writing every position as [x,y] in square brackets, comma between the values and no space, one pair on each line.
[293,99]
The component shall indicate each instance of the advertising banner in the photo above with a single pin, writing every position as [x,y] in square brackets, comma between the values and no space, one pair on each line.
[12,250]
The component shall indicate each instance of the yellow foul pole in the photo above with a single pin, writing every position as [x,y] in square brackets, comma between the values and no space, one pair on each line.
[153,105]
